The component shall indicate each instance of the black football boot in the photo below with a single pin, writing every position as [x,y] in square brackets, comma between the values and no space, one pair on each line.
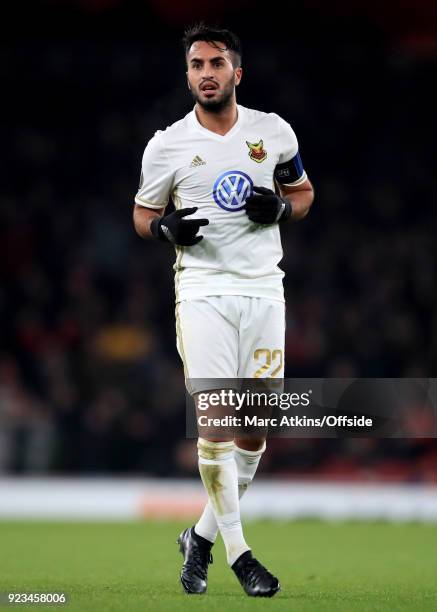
[197,556]
[254,578]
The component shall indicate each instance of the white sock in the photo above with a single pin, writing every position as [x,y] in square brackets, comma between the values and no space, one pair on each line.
[218,471]
[247,464]
[206,526]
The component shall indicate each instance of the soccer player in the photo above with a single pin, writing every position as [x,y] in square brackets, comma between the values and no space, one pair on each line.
[235,176]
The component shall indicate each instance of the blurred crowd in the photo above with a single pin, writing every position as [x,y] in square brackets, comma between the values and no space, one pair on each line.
[90,380]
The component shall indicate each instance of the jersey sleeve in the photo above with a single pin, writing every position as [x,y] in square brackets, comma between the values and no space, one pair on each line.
[289,171]
[156,180]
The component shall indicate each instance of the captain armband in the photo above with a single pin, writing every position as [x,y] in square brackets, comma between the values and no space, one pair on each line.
[290,172]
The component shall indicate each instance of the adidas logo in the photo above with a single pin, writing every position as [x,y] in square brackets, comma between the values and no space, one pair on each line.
[197,161]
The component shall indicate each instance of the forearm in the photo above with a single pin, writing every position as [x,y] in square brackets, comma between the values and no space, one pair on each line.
[143,217]
[300,202]
[300,197]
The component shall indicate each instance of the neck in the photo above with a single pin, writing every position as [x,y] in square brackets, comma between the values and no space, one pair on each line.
[220,122]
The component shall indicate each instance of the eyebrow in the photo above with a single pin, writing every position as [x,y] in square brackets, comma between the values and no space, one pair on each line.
[212,59]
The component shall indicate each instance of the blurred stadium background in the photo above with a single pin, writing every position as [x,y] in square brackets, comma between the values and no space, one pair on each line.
[91,385]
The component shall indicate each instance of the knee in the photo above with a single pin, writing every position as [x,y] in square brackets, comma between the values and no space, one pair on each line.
[213,451]
[251,444]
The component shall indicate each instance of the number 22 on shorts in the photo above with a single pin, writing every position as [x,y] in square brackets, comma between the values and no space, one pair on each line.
[270,359]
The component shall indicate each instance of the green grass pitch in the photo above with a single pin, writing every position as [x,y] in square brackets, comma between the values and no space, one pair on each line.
[135,566]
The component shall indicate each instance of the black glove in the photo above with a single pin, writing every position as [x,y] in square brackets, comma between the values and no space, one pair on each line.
[175,229]
[267,207]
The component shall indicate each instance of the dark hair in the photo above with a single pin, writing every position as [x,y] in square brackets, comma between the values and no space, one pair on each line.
[201,31]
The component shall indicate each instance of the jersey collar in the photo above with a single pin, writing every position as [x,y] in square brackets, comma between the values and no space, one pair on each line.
[234,129]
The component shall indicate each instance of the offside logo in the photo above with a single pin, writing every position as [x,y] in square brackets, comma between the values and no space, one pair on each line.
[231,190]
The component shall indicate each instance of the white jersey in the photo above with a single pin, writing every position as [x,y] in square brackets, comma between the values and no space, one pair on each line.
[197,167]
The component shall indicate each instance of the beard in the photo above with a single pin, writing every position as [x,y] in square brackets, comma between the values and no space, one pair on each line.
[219,102]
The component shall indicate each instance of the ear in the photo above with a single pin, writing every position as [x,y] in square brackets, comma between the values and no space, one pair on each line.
[238,74]
[188,82]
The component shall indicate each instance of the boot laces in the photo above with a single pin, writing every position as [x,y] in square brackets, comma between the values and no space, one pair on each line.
[199,561]
[253,571]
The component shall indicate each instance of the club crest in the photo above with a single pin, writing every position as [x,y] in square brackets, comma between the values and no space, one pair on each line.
[257,151]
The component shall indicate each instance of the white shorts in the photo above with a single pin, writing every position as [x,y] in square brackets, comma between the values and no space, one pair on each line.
[229,337]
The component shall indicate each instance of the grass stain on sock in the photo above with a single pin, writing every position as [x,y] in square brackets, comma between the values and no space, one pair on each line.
[211,479]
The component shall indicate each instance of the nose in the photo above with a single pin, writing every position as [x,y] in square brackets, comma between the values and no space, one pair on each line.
[206,74]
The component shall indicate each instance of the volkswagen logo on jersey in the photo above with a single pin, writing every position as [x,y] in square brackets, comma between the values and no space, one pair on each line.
[231,190]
